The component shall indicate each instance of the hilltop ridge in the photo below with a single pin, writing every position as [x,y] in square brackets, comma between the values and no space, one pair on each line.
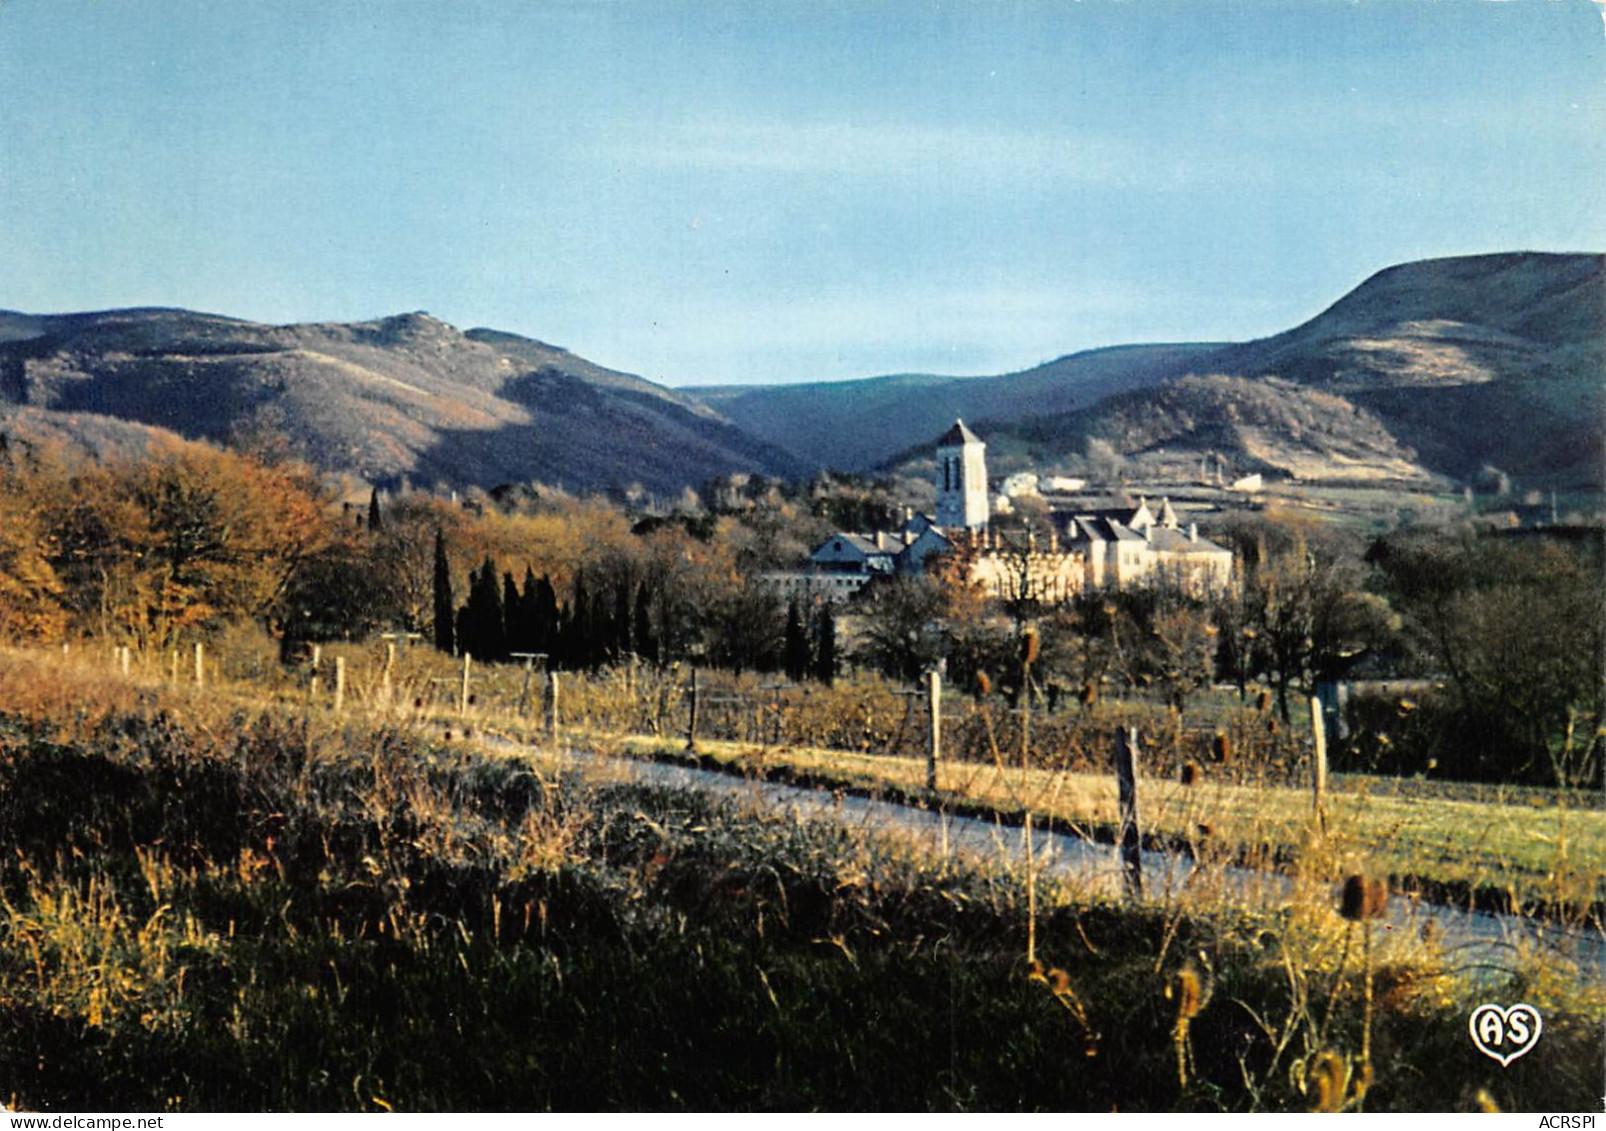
[405,396]
[1440,367]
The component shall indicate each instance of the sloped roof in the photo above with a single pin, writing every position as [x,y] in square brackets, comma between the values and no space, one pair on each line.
[957,435]
[1078,528]
[1080,502]
[859,542]
[1090,527]
[931,534]
[927,542]
[1176,541]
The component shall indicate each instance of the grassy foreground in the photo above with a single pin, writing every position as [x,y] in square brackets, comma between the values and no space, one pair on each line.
[210,907]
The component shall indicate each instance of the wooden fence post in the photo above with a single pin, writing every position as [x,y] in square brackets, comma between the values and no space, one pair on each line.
[772,701]
[1318,777]
[1126,775]
[691,716]
[340,683]
[1028,653]
[934,750]
[529,659]
[552,704]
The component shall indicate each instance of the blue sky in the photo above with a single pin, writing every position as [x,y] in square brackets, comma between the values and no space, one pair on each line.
[763,191]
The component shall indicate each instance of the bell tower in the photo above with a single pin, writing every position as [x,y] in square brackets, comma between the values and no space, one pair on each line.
[961,479]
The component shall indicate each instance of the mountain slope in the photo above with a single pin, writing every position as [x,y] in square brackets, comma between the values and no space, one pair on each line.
[1437,367]
[75,436]
[405,396]
[1442,366]
[1489,359]
[856,425]
[1256,425]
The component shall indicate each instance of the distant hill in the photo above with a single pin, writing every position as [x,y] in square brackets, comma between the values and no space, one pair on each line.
[1440,367]
[1436,367]
[79,436]
[1255,425]
[1488,359]
[402,397]
[857,425]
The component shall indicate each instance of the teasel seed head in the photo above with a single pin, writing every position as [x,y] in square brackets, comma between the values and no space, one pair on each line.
[1363,898]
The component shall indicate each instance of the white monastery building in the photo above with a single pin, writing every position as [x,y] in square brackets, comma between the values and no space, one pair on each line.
[1109,548]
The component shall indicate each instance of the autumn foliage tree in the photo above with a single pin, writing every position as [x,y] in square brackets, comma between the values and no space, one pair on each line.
[30,591]
[903,627]
[141,551]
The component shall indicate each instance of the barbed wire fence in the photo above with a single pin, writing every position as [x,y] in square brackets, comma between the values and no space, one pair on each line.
[400,677]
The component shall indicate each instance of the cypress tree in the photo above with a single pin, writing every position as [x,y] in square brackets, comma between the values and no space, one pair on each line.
[510,616]
[546,618]
[467,631]
[825,650]
[797,644]
[563,648]
[579,633]
[445,638]
[479,621]
[622,621]
[375,521]
[646,642]
[485,601]
[522,634]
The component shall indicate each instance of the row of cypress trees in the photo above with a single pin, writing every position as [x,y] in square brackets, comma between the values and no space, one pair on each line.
[810,649]
[600,624]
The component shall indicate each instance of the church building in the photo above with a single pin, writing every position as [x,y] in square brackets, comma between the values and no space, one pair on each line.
[1113,548]
[961,480]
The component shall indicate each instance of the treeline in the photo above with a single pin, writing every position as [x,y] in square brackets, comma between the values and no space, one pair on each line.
[1504,635]
[191,538]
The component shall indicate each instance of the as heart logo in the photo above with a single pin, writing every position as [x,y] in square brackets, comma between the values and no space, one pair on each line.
[1505,1032]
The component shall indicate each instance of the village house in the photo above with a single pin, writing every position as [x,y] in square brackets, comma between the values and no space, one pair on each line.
[845,563]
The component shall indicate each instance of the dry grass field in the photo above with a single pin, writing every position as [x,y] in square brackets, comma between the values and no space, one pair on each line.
[235,898]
